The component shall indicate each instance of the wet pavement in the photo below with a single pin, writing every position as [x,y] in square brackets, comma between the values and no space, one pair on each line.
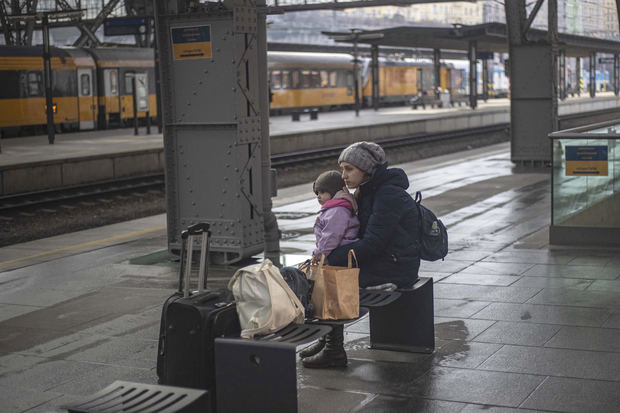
[520,325]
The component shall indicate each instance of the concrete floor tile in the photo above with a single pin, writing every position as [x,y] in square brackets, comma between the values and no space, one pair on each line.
[586,338]
[589,272]
[468,255]
[458,308]
[462,354]
[576,298]
[459,328]
[366,376]
[475,386]
[484,293]
[527,334]
[13,310]
[436,276]
[553,282]
[531,257]
[575,396]
[387,404]
[555,362]
[497,268]
[613,321]
[444,266]
[481,279]
[477,408]
[101,376]
[544,314]
[311,399]
[24,399]
[605,285]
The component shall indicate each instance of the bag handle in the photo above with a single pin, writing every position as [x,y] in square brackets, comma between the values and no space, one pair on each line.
[351,255]
[321,262]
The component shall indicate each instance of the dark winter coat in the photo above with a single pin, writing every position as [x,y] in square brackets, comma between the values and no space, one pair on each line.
[388,249]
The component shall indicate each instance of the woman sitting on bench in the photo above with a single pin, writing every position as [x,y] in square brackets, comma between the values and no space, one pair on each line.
[389,234]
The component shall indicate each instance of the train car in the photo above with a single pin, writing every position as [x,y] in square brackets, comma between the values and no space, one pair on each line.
[116,68]
[22,95]
[91,88]
[310,80]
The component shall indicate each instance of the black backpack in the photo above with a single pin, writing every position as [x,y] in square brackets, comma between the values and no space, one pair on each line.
[433,233]
[301,286]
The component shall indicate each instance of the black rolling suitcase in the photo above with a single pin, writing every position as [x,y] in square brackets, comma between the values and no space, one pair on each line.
[191,320]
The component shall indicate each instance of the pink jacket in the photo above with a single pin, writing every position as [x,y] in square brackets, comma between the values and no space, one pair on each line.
[337,223]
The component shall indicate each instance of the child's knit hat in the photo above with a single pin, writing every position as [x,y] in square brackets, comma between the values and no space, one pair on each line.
[330,181]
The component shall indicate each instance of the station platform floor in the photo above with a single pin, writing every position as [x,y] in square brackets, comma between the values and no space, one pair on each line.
[521,325]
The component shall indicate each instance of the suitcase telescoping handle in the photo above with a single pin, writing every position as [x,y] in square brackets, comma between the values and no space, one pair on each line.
[187,248]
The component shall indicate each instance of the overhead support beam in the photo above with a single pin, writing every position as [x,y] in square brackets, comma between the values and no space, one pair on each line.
[6,28]
[31,8]
[96,23]
[276,8]
[86,31]
[532,16]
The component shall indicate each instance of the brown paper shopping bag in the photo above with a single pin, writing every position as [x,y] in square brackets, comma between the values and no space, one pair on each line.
[336,289]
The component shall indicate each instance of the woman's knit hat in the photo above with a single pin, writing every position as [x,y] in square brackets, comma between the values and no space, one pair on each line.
[365,155]
[330,181]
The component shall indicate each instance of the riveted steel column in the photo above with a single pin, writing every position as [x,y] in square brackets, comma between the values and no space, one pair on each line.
[616,74]
[592,65]
[47,80]
[485,79]
[473,75]
[578,78]
[562,74]
[374,55]
[212,115]
[437,71]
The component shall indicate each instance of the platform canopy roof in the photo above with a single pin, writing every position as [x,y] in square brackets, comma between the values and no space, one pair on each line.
[490,37]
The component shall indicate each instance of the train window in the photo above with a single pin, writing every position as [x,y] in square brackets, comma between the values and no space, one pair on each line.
[113,82]
[276,79]
[333,76]
[128,83]
[295,79]
[324,78]
[286,79]
[316,79]
[349,79]
[85,84]
[34,84]
[305,79]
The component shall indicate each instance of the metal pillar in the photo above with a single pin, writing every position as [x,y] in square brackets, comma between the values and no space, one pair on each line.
[437,71]
[473,75]
[214,103]
[592,65]
[562,73]
[485,80]
[616,74]
[578,78]
[533,71]
[47,79]
[356,74]
[374,54]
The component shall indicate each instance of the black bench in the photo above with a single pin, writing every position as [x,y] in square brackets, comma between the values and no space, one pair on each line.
[122,396]
[260,375]
[296,114]
[402,320]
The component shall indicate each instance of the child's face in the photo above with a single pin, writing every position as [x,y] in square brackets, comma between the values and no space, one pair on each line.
[323,197]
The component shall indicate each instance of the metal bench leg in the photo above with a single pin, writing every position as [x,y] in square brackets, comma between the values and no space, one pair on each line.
[255,376]
[407,324]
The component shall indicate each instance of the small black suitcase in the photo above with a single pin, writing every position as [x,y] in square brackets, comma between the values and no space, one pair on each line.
[191,320]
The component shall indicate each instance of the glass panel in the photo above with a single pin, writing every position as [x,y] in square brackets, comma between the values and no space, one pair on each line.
[113,82]
[34,84]
[316,79]
[305,79]
[333,76]
[286,79]
[586,183]
[296,80]
[128,83]
[324,79]
[276,80]
[85,84]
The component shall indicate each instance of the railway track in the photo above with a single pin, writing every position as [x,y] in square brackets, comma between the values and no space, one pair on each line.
[85,195]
